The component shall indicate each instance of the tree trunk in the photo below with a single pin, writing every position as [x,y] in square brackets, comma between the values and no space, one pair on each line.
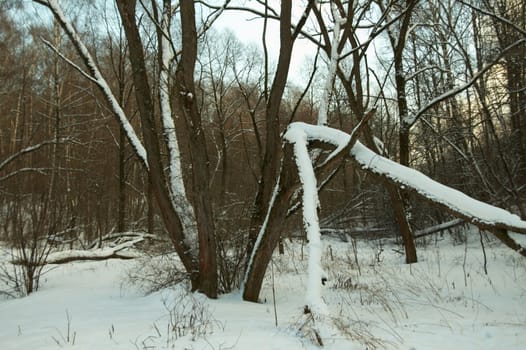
[406,232]
[399,200]
[121,215]
[394,193]
[267,218]
[272,156]
[399,209]
[270,232]
[198,153]
[151,140]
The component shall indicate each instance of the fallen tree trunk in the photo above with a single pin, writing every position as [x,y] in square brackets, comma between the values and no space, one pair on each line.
[83,255]
[460,205]
[508,241]
[437,228]
[485,216]
[118,252]
[480,214]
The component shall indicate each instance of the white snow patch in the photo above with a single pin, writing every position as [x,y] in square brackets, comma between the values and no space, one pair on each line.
[177,188]
[389,303]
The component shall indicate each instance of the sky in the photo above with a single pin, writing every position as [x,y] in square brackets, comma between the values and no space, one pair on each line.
[249,29]
[246,27]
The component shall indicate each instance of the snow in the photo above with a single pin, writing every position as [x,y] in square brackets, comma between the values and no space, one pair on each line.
[94,253]
[332,66]
[519,238]
[23,151]
[433,304]
[413,179]
[333,136]
[310,202]
[261,232]
[439,227]
[178,192]
[82,254]
[101,82]
[448,196]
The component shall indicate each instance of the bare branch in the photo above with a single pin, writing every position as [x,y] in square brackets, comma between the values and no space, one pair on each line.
[25,151]
[68,61]
[41,171]
[90,63]
[412,119]
[495,16]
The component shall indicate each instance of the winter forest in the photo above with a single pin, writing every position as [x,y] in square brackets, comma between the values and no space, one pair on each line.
[351,177]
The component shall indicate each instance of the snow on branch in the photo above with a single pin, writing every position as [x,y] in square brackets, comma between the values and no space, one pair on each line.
[440,227]
[297,136]
[119,251]
[117,238]
[332,66]
[481,214]
[495,16]
[42,171]
[96,77]
[23,151]
[177,188]
[411,119]
[341,140]
[261,233]
[67,60]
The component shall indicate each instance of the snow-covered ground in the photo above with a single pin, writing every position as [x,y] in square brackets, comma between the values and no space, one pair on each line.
[446,301]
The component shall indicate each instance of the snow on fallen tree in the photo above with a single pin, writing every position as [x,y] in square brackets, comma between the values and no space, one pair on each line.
[440,227]
[120,251]
[299,135]
[480,214]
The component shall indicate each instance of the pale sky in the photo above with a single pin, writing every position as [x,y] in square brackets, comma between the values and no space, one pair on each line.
[248,29]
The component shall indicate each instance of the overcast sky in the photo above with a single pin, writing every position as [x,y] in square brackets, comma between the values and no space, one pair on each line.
[249,29]
[246,27]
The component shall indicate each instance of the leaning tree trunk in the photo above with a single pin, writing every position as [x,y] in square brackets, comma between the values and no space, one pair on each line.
[276,184]
[270,231]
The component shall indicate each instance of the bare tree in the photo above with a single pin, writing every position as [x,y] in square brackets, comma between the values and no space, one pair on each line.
[183,194]
[186,93]
[274,191]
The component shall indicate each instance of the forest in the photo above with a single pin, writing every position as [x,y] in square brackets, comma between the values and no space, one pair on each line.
[143,127]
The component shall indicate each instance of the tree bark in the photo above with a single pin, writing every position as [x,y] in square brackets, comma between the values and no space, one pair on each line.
[151,140]
[270,231]
[399,200]
[267,218]
[272,154]
[200,173]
